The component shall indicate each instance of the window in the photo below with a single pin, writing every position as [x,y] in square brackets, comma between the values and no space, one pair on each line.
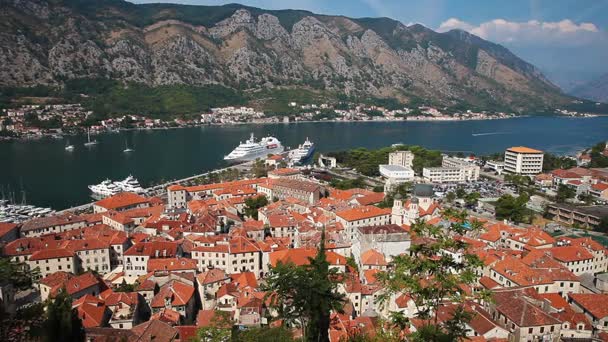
[530,330]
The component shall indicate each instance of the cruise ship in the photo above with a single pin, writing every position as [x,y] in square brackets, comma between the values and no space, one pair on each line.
[302,153]
[251,149]
[109,188]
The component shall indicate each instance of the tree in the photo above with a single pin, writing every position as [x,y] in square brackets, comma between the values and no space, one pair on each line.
[450,197]
[278,334]
[564,192]
[305,295]
[460,192]
[512,208]
[252,204]
[17,274]
[603,225]
[62,322]
[259,169]
[431,277]
[471,199]
[219,330]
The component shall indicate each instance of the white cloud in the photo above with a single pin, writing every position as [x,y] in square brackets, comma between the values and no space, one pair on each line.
[561,33]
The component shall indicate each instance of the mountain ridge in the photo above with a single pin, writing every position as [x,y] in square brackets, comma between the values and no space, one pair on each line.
[243,47]
[595,90]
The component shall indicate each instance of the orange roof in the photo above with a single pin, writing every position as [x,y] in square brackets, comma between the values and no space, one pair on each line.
[91,311]
[6,227]
[373,198]
[373,257]
[594,303]
[51,254]
[214,186]
[300,256]
[284,172]
[177,292]
[600,186]
[167,315]
[244,279]
[211,276]
[522,149]
[171,264]
[123,199]
[570,253]
[361,213]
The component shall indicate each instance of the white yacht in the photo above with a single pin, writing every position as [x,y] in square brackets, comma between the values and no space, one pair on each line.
[105,188]
[130,184]
[69,147]
[89,142]
[302,153]
[252,149]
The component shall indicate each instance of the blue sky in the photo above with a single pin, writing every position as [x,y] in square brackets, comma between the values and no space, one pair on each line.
[567,39]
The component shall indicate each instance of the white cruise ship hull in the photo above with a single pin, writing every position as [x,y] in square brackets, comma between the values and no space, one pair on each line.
[253,156]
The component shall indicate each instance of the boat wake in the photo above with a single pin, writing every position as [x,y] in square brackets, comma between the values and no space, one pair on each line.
[489,133]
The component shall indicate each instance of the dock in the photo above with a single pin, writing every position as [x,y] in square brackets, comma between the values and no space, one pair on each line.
[161,189]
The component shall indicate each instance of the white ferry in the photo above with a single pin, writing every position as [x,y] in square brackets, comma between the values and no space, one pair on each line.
[252,149]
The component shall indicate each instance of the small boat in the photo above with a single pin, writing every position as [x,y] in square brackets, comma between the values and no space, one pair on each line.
[89,142]
[69,147]
[127,149]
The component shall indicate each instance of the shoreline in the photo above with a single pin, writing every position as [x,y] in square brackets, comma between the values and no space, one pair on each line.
[443,120]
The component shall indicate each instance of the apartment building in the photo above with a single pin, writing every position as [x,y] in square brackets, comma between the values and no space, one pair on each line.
[362,216]
[236,255]
[52,224]
[49,261]
[524,161]
[584,216]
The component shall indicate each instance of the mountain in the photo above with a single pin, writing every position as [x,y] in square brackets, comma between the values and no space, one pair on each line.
[596,90]
[47,42]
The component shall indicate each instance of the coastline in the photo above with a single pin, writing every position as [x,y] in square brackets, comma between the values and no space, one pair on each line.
[228,124]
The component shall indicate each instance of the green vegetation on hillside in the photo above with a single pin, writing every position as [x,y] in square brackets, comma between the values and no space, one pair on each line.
[107,98]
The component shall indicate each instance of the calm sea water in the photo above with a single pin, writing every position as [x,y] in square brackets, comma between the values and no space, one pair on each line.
[53,177]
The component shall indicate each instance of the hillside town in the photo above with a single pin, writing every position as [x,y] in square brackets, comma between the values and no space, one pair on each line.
[170,267]
[35,121]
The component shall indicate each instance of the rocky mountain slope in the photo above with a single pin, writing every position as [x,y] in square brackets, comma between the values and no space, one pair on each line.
[596,90]
[48,42]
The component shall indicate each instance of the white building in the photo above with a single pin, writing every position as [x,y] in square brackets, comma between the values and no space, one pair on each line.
[397,173]
[452,170]
[450,174]
[523,160]
[401,158]
[495,165]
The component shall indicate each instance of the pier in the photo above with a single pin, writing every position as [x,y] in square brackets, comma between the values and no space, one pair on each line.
[161,189]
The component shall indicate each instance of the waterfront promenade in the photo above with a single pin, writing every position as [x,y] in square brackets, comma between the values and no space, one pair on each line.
[161,189]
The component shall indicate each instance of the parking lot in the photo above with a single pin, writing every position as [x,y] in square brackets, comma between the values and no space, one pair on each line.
[486,188]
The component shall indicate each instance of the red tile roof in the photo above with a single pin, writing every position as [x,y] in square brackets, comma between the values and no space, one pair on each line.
[171,264]
[361,213]
[165,249]
[301,256]
[211,276]
[91,311]
[177,292]
[517,309]
[595,303]
[6,228]
[570,253]
[373,258]
[51,254]
[121,200]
